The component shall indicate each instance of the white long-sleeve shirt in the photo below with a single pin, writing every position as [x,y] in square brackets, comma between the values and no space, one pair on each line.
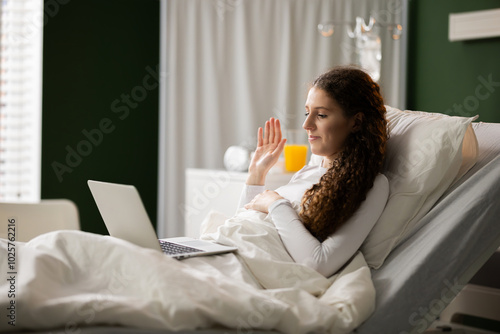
[329,256]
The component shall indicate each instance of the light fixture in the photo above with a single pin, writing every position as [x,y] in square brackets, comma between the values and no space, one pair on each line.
[397,31]
[327,28]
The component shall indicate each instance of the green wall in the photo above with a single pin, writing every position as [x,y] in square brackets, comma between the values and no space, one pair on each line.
[456,78]
[100,100]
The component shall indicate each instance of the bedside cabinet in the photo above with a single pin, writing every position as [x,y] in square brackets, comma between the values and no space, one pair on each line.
[211,189]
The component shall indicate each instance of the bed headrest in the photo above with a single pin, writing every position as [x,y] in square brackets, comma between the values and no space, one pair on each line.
[426,153]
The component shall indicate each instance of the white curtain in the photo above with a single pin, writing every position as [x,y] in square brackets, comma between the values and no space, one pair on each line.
[229,65]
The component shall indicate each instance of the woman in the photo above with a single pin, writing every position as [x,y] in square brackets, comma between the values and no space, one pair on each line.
[341,199]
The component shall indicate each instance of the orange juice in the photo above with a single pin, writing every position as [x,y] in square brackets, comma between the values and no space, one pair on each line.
[295,157]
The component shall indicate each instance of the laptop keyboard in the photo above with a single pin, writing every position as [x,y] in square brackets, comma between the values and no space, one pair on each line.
[174,249]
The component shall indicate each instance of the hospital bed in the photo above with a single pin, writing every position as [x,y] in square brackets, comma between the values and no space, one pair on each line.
[458,235]
[428,268]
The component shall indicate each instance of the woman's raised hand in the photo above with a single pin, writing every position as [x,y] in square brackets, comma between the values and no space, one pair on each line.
[270,144]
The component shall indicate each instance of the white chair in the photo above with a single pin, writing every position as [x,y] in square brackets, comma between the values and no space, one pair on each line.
[33,219]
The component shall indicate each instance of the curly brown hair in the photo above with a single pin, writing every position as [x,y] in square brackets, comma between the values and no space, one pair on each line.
[341,190]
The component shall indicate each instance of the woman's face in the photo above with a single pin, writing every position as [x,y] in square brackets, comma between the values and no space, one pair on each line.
[326,125]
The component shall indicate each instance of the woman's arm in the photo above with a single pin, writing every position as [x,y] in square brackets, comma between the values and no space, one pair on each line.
[248,194]
[270,144]
[330,255]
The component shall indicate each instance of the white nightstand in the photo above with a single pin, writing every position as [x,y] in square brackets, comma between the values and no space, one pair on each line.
[209,189]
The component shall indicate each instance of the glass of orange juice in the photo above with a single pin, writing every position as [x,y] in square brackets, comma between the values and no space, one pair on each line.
[295,150]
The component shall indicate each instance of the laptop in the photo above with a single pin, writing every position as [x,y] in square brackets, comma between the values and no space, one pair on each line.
[126,218]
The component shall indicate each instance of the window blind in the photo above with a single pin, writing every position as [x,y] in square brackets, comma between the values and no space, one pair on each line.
[21,31]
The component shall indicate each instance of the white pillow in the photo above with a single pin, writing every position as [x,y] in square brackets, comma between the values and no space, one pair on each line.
[470,150]
[423,158]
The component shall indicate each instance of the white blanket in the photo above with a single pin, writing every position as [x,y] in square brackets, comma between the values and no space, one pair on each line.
[69,279]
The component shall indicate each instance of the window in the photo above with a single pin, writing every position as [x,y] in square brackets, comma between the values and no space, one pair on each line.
[21,31]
